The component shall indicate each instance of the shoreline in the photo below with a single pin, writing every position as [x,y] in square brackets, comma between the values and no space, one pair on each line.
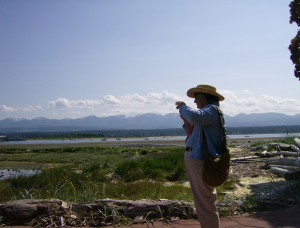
[155,143]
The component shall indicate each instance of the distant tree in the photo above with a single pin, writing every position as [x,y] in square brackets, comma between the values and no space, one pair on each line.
[295,43]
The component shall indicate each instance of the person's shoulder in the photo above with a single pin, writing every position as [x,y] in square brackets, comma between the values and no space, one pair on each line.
[213,106]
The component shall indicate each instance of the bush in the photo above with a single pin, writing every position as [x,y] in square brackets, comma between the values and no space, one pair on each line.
[165,165]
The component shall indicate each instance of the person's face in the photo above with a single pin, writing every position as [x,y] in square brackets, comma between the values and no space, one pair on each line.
[200,101]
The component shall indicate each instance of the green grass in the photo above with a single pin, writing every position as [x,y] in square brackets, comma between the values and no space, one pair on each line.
[139,176]
[151,166]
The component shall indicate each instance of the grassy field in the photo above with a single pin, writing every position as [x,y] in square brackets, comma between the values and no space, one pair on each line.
[90,173]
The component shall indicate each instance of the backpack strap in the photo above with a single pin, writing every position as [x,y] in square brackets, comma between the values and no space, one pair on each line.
[221,119]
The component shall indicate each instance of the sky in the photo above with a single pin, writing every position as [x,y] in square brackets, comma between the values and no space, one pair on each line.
[77,58]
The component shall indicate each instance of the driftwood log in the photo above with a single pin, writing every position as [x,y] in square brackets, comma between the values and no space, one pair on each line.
[297,142]
[244,158]
[280,171]
[284,161]
[290,153]
[291,168]
[57,213]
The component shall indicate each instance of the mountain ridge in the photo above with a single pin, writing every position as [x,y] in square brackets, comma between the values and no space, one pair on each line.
[143,121]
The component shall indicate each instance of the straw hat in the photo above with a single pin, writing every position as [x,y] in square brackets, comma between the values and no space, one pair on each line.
[204,89]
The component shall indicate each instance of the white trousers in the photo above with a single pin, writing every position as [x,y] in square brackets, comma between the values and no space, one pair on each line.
[204,195]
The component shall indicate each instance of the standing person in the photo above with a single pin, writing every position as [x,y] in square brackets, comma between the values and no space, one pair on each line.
[206,118]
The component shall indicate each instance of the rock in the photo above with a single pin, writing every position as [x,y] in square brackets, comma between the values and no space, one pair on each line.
[78,172]
[113,176]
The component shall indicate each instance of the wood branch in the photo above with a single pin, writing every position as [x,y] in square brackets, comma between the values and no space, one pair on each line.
[279,170]
[244,158]
[249,161]
[266,154]
[297,142]
[284,161]
[290,153]
[291,168]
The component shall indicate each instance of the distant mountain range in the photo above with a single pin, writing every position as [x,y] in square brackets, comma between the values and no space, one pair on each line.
[145,121]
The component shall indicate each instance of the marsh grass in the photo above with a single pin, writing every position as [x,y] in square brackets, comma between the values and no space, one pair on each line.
[138,178]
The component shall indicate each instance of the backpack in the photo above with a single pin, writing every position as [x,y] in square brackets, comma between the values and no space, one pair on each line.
[216,169]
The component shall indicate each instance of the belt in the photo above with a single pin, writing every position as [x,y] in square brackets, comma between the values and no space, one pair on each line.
[188,148]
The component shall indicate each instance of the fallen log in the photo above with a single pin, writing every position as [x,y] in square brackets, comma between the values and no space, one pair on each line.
[284,146]
[54,212]
[284,161]
[243,158]
[291,168]
[266,154]
[290,153]
[279,170]
[131,208]
[295,149]
[297,142]
[249,161]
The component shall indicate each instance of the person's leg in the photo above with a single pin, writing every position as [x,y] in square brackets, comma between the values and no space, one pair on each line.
[205,196]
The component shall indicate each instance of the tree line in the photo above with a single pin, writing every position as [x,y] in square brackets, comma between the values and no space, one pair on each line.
[149,133]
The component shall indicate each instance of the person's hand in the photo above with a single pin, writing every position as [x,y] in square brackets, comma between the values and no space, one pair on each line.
[179,104]
[186,123]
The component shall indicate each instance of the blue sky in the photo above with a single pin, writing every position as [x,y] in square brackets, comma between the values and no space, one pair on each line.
[70,59]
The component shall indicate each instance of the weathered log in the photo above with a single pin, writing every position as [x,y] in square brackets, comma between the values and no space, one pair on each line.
[266,154]
[243,158]
[284,146]
[284,161]
[291,168]
[24,209]
[297,142]
[249,161]
[139,207]
[290,153]
[295,149]
[279,170]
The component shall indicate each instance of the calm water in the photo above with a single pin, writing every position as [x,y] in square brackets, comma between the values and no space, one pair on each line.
[67,141]
[17,172]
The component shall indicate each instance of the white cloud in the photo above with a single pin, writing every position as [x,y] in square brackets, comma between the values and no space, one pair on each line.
[163,103]
[78,113]
[29,108]
[161,99]
[4,108]
[247,91]
[233,104]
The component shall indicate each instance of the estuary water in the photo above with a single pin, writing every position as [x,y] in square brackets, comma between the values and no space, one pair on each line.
[139,140]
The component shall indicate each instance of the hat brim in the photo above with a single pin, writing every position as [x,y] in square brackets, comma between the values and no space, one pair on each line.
[190,93]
